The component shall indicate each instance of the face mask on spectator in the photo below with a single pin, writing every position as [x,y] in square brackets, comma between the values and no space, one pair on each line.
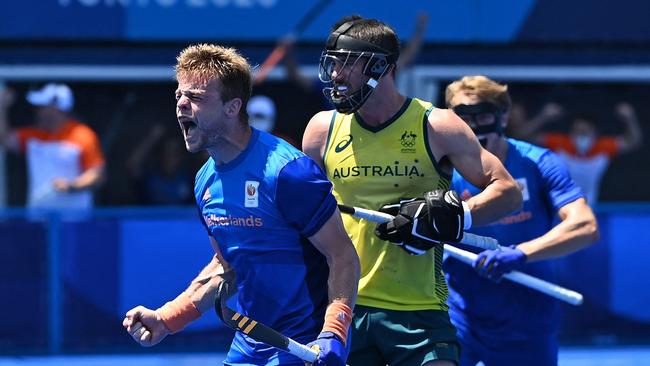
[583,143]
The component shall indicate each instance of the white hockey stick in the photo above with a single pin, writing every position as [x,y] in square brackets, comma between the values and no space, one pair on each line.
[551,289]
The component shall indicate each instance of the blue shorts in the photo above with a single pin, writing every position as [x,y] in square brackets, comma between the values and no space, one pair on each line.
[242,353]
[537,350]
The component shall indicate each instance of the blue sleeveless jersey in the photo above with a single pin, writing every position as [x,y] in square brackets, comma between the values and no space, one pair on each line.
[507,309]
[260,208]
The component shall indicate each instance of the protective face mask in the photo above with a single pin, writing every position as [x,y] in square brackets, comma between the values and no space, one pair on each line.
[583,144]
[263,124]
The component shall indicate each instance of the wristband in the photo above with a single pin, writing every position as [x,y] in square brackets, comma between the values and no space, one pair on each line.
[338,318]
[467,216]
[178,313]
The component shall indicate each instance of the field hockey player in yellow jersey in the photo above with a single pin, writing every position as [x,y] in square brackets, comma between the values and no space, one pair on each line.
[379,147]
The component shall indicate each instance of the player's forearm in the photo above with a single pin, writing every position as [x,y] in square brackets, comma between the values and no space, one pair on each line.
[195,300]
[570,235]
[499,198]
[203,288]
[342,290]
[344,278]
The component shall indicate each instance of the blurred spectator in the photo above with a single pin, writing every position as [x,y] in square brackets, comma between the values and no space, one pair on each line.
[64,156]
[157,167]
[261,115]
[587,153]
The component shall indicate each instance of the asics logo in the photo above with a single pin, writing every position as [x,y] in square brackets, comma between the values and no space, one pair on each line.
[347,140]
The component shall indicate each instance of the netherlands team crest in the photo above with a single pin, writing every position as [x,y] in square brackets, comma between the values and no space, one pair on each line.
[251,197]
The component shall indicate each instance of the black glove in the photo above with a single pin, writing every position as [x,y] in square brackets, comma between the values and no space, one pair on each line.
[421,223]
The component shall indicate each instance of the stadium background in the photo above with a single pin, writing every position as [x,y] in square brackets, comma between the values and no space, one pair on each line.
[67,285]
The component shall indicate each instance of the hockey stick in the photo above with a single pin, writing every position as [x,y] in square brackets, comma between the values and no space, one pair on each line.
[551,289]
[484,242]
[258,331]
[548,288]
[279,51]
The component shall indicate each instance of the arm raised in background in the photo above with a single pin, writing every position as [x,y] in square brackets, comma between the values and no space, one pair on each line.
[293,70]
[632,137]
[414,45]
[530,129]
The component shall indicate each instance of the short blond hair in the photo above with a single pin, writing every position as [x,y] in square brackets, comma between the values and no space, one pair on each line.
[205,62]
[482,87]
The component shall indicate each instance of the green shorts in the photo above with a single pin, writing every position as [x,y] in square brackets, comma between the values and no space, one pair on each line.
[405,338]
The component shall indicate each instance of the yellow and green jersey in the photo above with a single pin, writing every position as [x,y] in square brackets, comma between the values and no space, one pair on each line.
[369,167]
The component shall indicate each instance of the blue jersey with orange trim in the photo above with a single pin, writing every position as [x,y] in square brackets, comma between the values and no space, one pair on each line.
[506,308]
[260,208]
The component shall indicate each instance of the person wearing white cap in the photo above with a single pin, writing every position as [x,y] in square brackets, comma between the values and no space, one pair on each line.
[64,157]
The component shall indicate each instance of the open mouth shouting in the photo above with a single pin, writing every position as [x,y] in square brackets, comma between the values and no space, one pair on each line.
[188,126]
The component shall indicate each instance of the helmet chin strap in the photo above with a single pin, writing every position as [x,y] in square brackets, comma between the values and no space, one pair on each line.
[351,103]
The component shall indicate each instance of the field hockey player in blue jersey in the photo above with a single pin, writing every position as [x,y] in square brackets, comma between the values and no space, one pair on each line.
[499,322]
[270,217]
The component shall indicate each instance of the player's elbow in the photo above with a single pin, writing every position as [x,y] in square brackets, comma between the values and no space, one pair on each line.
[513,199]
[591,231]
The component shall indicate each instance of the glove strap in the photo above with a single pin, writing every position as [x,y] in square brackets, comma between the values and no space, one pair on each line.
[178,313]
[467,219]
[338,318]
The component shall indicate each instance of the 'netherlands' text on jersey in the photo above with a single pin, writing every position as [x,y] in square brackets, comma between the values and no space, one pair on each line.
[260,208]
[546,187]
[372,166]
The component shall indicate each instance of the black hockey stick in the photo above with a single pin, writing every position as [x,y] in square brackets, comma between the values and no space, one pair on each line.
[258,331]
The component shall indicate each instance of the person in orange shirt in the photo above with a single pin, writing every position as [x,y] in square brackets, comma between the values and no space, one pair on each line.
[587,153]
[64,157]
